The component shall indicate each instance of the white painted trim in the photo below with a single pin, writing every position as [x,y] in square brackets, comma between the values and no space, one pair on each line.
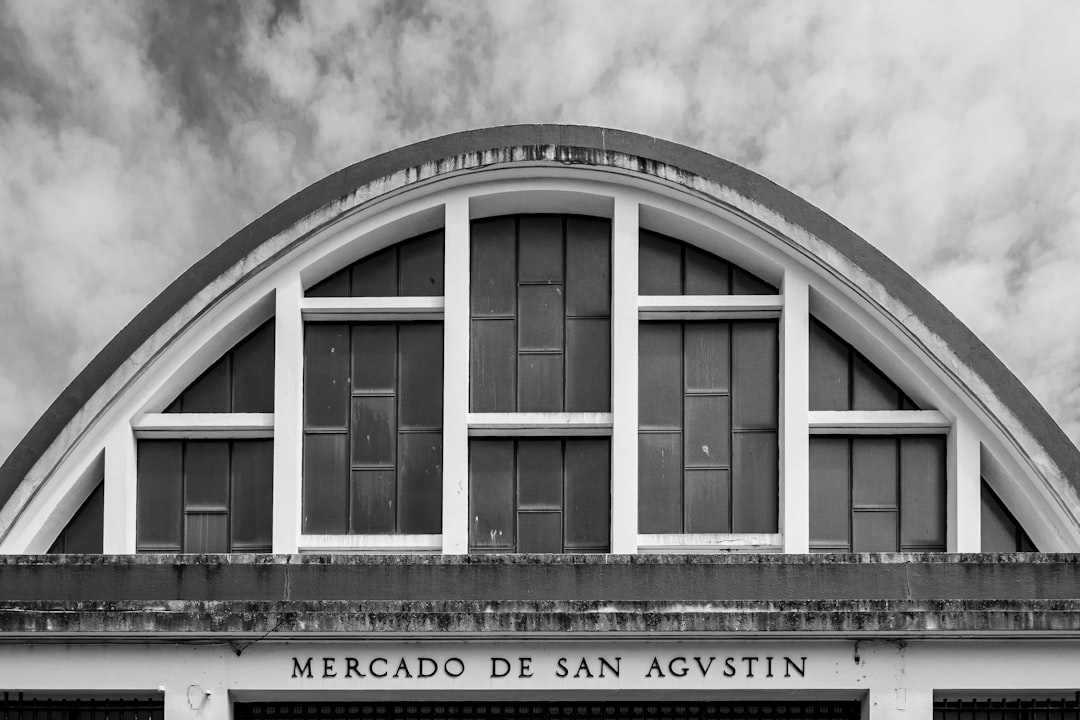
[288,414]
[794,414]
[539,424]
[710,542]
[121,487]
[878,422]
[456,325]
[624,375]
[964,505]
[709,307]
[397,309]
[218,426]
[371,543]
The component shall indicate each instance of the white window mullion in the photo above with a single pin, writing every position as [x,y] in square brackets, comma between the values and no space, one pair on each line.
[794,414]
[964,494]
[120,491]
[624,376]
[288,414]
[455,510]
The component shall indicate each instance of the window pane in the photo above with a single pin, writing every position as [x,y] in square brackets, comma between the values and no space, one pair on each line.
[376,276]
[206,533]
[160,495]
[659,265]
[251,510]
[419,495]
[253,372]
[337,285]
[870,390]
[373,503]
[540,532]
[922,484]
[540,383]
[420,384]
[755,481]
[326,476]
[755,373]
[326,375]
[493,377]
[210,393]
[708,356]
[540,249]
[374,357]
[830,496]
[540,324]
[744,283]
[874,473]
[588,365]
[540,475]
[706,274]
[708,501]
[206,475]
[374,429]
[588,494]
[660,393]
[873,531]
[708,431]
[493,283]
[421,266]
[85,532]
[588,266]
[829,382]
[660,482]
[491,494]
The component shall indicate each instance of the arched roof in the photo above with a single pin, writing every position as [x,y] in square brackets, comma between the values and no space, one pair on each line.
[564,145]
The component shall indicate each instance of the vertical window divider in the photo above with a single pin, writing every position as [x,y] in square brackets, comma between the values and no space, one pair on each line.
[624,375]
[794,413]
[456,344]
[963,475]
[288,414]
[120,511]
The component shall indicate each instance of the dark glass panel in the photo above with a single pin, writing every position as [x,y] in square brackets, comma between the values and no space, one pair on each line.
[253,372]
[999,528]
[421,266]
[206,533]
[206,475]
[85,531]
[588,365]
[374,357]
[830,496]
[491,494]
[874,473]
[493,283]
[540,322]
[175,406]
[419,494]
[540,249]
[708,356]
[252,507]
[744,283]
[540,532]
[755,480]
[660,393]
[160,494]
[326,375]
[870,390]
[587,514]
[372,495]
[922,487]
[659,265]
[588,266]
[337,285]
[660,483]
[873,531]
[706,274]
[210,393]
[326,477]
[420,384]
[540,475]
[708,431]
[708,501]
[374,429]
[493,376]
[829,358]
[376,276]
[540,383]
[755,374]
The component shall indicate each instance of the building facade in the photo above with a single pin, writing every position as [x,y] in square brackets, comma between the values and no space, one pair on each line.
[542,421]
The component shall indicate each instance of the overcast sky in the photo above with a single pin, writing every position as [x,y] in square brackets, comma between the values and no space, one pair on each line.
[135,137]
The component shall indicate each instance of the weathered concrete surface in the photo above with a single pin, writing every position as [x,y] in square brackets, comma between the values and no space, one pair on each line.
[531,578]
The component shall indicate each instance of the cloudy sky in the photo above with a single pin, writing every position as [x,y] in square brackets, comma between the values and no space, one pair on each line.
[134,137]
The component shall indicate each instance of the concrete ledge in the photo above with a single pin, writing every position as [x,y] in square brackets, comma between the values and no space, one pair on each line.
[532,578]
[221,621]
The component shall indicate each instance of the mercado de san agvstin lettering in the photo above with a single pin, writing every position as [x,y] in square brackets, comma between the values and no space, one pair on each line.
[542,422]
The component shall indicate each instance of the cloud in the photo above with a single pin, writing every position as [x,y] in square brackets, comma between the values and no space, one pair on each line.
[134,138]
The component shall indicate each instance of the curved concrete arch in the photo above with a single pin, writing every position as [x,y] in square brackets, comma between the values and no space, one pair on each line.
[693,171]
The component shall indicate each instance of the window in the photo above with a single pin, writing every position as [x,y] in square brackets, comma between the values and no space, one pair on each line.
[84,533]
[708,403]
[1000,530]
[373,403]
